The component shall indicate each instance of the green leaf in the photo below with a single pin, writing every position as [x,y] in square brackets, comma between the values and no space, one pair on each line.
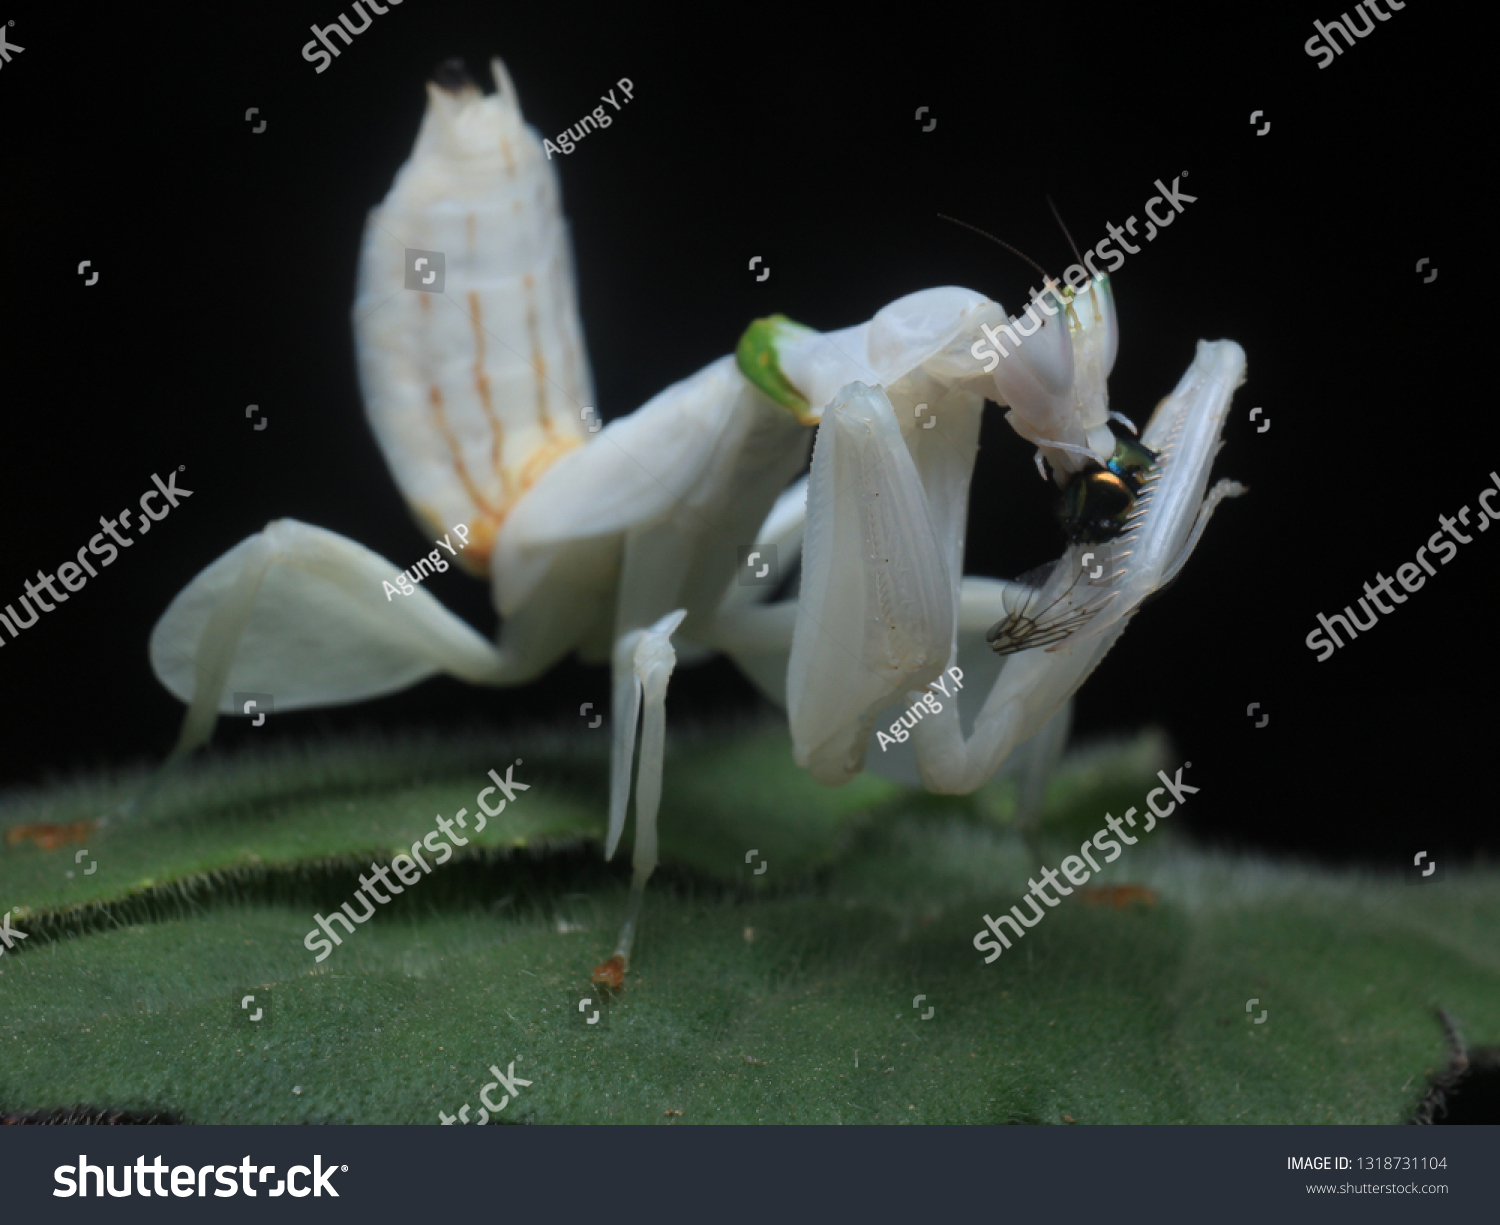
[780,997]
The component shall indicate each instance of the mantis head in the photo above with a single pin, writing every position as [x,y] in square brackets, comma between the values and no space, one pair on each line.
[1053,371]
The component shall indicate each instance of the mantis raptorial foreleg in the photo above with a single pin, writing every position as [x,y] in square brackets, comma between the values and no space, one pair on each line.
[871,624]
[882,585]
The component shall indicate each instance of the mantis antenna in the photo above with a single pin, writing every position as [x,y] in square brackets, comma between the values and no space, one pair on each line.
[1066,235]
[1002,242]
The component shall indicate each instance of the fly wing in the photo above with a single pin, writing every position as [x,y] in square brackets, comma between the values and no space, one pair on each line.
[1050,604]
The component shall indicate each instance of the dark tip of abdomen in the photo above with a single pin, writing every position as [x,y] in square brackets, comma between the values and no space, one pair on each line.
[452,75]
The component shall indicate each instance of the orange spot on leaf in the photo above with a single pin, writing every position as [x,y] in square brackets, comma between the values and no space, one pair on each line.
[48,836]
[610,974]
[1118,896]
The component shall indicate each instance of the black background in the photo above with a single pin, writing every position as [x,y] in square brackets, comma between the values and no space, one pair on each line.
[227,264]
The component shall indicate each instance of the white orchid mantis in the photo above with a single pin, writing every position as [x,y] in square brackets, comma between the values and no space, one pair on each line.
[623,545]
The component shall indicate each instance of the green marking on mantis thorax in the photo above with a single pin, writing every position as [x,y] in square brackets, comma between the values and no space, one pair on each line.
[1099,284]
[759,362]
